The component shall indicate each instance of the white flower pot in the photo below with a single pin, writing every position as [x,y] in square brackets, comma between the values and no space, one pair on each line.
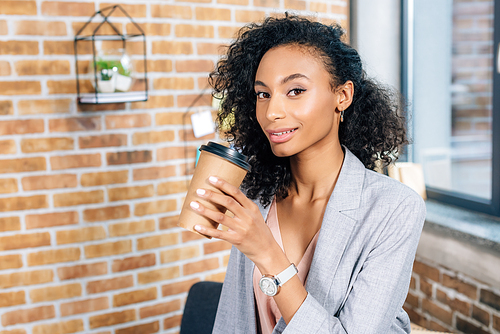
[123,83]
[106,86]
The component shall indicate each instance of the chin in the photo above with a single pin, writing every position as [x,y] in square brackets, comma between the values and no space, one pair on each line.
[281,153]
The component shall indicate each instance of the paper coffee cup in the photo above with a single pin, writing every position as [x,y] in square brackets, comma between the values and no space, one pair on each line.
[215,160]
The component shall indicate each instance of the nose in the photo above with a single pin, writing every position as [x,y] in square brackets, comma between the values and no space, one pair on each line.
[275,109]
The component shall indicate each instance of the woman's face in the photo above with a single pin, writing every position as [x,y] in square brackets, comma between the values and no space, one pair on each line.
[295,101]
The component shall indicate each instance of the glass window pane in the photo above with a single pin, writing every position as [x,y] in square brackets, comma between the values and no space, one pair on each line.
[453,90]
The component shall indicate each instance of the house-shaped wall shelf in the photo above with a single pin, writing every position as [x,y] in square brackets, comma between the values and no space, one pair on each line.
[110,65]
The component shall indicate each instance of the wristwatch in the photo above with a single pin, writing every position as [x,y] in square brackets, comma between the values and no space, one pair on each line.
[270,285]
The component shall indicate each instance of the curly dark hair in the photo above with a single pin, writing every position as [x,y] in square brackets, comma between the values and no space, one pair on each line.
[373,127]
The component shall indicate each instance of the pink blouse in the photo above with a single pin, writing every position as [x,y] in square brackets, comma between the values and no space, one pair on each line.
[269,314]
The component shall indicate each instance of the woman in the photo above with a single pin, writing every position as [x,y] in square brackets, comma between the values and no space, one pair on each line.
[299,105]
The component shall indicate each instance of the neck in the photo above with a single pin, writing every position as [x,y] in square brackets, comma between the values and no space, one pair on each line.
[315,172]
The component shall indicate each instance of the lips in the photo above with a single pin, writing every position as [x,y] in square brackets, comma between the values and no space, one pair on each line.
[281,135]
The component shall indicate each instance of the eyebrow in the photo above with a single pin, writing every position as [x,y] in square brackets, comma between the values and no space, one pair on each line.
[285,80]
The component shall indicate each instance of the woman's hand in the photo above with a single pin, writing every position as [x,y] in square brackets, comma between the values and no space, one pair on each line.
[247,230]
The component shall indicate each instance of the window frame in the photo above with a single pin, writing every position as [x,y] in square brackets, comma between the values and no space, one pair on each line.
[488,206]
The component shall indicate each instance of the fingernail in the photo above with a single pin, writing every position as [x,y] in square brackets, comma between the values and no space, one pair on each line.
[197,227]
[194,205]
[213,179]
[200,192]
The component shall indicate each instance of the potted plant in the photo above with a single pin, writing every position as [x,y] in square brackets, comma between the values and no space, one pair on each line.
[123,78]
[106,75]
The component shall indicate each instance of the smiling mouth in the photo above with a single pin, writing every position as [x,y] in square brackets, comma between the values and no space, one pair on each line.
[282,133]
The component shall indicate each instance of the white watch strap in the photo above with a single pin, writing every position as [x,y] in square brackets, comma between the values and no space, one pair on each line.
[286,274]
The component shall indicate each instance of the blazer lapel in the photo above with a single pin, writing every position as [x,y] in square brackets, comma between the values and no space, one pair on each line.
[337,226]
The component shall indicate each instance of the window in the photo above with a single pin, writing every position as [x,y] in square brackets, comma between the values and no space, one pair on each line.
[450,75]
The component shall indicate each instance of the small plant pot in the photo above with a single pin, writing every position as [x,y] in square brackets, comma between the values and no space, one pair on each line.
[123,83]
[106,86]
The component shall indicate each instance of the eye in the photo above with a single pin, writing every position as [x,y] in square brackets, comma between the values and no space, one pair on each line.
[262,95]
[296,91]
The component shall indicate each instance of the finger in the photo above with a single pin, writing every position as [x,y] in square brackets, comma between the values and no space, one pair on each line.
[211,232]
[217,216]
[230,190]
[225,201]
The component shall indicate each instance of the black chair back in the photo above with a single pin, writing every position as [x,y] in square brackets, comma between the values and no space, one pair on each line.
[201,307]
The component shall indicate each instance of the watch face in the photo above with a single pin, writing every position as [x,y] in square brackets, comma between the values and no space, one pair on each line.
[268,286]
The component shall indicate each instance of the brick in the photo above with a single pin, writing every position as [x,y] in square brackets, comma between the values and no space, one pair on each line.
[133,297]
[213,14]
[40,28]
[168,11]
[210,48]
[63,327]
[12,261]
[110,319]
[82,270]
[110,284]
[157,241]
[51,219]
[490,298]
[108,249]
[105,29]
[28,315]
[437,311]
[200,65]
[468,327]
[12,298]
[295,4]
[56,8]
[181,253]
[216,246]
[132,10]
[108,213]
[434,326]
[267,3]
[188,100]
[154,102]
[135,262]
[153,137]
[481,315]
[15,7]
[122,229]
[171,322]
[178,287]
[4,65]
[460,286]
[8,186]
[20,87]
[454,303]
[10,224]
[234,2]
[84,306]
[150,29]
[496,322]
[34,145]
[228,32]
[161,65]
[218,277]
[173,83]
[53,256]
[26,278]
[33,107]
[6,108]
[190,236]
[66,48]
[149,208]
[69,86]
[412,300]
[20,241]
[7,147]
[189,30]
[125,158]
[159,309]
[426,287]
[172,47]
[426,271]
[75,161]
[56,292]
[80,235]
[153,173]
[78,198]
[168,222]
[75,124]
[249,15]
[318,7]
[20,127]
[103,178]
[22,165]
[157,275]
[152,327]
[108,140]
[173,187]
[42,67]
[125,193]
[173,153]
[200,266]
[127,121]
[17,48]
[49,182]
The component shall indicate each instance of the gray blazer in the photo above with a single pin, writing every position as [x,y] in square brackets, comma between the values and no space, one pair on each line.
[361,269]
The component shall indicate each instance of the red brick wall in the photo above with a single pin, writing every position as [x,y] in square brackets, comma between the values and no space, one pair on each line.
[89,194]
[446,300]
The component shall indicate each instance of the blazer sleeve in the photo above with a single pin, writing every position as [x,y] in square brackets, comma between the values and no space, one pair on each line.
[374,302]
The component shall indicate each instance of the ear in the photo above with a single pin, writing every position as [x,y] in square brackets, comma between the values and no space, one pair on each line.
[345,94]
